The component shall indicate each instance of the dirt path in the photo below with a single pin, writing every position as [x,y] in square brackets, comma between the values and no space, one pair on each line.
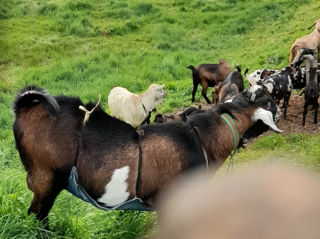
[293,123]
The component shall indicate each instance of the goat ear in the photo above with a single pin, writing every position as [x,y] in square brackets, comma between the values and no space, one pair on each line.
[162,86]
[266,117]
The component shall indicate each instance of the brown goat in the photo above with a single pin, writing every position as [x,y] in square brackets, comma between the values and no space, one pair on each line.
[208,75]
[105,161]
[311,41]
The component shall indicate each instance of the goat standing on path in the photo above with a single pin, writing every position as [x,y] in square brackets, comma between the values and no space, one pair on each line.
[311,92]
[208,75]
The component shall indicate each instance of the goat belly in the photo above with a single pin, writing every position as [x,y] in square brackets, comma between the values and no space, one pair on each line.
[78,191]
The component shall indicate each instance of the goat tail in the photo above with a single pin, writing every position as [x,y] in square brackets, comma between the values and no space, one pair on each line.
[191,67]
[31,96]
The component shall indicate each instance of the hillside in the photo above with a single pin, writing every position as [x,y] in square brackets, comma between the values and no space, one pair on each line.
[83,48]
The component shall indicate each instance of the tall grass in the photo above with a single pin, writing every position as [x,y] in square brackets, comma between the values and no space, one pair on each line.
[83,48]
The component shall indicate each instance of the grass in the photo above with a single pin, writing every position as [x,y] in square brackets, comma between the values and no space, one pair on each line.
[83,48]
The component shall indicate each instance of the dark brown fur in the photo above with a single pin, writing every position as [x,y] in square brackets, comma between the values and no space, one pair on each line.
[229,88]
[51,138]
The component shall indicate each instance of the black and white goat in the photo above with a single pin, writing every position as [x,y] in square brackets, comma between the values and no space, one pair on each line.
[279,85]
[258,75]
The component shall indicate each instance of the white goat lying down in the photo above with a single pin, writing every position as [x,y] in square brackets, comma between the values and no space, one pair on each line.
[132,108]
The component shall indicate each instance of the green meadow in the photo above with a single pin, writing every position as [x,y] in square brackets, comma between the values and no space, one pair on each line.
[83,48]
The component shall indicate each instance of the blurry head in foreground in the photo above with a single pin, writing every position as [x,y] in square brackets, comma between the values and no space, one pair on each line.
[262,202]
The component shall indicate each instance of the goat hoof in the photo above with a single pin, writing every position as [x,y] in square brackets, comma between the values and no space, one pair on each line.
[140,132]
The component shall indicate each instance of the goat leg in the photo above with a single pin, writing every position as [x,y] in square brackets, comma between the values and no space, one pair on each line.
[305,111]
[285,104]
[45,190]
[204,94]
[194,90]
[316,106]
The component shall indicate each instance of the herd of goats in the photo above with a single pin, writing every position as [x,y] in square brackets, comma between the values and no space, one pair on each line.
[115,162]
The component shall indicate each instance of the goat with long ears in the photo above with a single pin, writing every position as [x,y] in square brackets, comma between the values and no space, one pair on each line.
[107,163]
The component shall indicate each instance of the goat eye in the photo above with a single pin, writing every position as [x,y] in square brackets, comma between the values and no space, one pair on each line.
[258,72]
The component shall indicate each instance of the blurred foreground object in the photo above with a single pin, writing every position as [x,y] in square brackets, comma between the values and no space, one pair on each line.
[263,202]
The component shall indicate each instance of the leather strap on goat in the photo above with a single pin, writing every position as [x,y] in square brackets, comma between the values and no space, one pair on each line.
[233,128]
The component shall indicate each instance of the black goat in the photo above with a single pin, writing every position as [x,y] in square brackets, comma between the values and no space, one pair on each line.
[311,95]
[311,92]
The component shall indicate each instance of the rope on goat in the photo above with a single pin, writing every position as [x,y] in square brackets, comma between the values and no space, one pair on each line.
[88,113]
[236,136]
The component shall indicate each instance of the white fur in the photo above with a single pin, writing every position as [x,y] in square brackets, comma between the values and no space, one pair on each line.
[132,108]
[253,90]
[254,77]
[267,118]
[289,84]
[116,189]
[269,86]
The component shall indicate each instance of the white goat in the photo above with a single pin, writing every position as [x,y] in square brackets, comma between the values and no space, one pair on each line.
[311,41]
[132,108]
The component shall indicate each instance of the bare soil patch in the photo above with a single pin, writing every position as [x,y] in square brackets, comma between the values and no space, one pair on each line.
[293,123]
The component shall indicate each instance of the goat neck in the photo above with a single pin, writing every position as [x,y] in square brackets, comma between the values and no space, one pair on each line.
[218,143]
[147,98]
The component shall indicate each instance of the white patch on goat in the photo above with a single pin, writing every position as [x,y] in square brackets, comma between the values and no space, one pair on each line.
[254,77]
[289,83]
[206,157]
[253,90]
[228,101]
[116,189]
[269,86]
[29,92]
